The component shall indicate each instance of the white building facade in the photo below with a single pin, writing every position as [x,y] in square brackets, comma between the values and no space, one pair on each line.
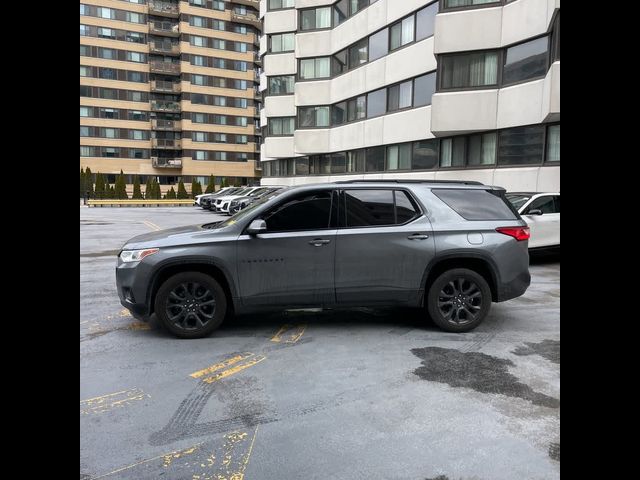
[384,89]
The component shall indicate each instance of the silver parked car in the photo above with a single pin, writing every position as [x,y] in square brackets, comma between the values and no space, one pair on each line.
[451,248]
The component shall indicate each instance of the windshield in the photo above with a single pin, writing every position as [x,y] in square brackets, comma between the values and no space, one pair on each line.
[243,213]
[517,199]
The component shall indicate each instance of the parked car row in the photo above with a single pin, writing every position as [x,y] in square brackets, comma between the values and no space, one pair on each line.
[230,200]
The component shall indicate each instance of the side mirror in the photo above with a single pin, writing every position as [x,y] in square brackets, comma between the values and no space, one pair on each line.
[256,227]
[535,211]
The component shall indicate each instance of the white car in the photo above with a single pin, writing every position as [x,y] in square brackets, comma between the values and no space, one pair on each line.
[221,204]
[541,211]
[219,192]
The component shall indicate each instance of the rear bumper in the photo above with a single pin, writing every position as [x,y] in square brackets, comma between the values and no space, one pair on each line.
[514,288]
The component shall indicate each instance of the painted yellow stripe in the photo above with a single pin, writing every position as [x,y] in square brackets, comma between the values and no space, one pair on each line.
[151,225]
[88,400]
[106,402]
[179,454]
[219,366]
[236,369]
[297,332]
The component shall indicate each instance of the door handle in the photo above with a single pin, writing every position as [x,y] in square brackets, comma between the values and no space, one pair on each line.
[418,236]
[318,242]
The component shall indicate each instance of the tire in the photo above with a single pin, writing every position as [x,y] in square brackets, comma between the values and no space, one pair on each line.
[461,285]
[199,294]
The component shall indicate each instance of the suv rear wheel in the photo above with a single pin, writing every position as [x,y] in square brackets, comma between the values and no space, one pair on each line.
[191,305]
[459,300]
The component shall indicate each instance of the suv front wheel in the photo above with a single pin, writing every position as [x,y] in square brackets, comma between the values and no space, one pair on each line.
[191,305]
[459,300]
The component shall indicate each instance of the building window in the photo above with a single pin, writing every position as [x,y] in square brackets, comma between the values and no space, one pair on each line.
[240,47]
[378,44]
[452,152]
[315,18]
[85,91]
[107,53]
[313,117]
[521,145]
[220,156]
[200,155]
[339,63]
[355,161]
[199,136]
[85,51]
[136,96]
[425,21]
[402,33]
[280,4]
[198,118]
[469,70]
[85,71]
[87,151]
[359,53]
[555,40]
[553,143]
[136,57]
[109,93]
[84,131]
[109,113]
[85,111]
[197,41]
[357,108]
[282,42]
[108,132]
[137,115]
[198,79]
[339,113]
[135,37]
[110,152]
[138,134]
[108,73]
[198,60]
[340,12]
[424,88]
[400,96]
[482,149]
[137,153]
[106,13]
[281,126]
[467,3]
[106,33]
[425,154]
[134,17]
[311,68]
[135,77]
[375,159]
[197,21]
[376,103]
[241,121]
[282,85]
[356,5]
[399,157]
[526,61]
[218,5]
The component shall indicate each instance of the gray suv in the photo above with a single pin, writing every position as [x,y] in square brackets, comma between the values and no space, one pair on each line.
[449,247]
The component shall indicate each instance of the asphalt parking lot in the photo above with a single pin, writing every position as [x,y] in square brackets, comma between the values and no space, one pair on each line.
[360,394]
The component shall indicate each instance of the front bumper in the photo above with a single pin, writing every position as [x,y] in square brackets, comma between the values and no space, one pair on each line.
[132,285]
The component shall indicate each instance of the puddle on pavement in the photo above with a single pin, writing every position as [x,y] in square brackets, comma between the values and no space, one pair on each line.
[478,371]
[549,349]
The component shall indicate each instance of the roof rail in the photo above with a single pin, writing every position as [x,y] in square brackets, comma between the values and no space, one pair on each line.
[464,182]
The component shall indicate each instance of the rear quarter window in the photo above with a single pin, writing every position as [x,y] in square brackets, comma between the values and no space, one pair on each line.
[477,204]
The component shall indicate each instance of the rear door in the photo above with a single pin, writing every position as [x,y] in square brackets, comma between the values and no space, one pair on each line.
[545,228]
[383,246]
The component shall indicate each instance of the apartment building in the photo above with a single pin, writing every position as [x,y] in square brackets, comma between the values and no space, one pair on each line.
[168,89]
[383,89]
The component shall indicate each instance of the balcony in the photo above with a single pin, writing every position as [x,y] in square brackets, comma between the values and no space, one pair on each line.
[168,29]
[164,9]
[164,162]
[165,106]
[248,18]
[164,48]
[161,86]
[249,3]
[164,68]
[172,125]
[164,143]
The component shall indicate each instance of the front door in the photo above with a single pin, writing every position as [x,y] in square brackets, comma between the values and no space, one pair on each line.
[383,246]
[292,264]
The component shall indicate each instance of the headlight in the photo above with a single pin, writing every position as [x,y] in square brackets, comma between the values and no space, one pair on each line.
[234,203]
[136,255]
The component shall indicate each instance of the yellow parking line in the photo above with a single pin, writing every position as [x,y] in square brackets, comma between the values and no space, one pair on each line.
[221,365]
[231,371]
[298,330]
[179,454]
[151,225]
[106,402]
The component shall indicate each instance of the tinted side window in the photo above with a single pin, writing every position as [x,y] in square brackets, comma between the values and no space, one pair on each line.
[405,210]
[310,211]
[476,204]
[544,204]
[557,199]
[366,208]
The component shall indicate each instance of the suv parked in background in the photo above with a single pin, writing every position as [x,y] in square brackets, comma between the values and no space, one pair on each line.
[541,211]
[240,203]
[218,202]
[222,191]
[452,247]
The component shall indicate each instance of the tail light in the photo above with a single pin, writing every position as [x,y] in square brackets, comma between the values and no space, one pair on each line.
[519,233]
